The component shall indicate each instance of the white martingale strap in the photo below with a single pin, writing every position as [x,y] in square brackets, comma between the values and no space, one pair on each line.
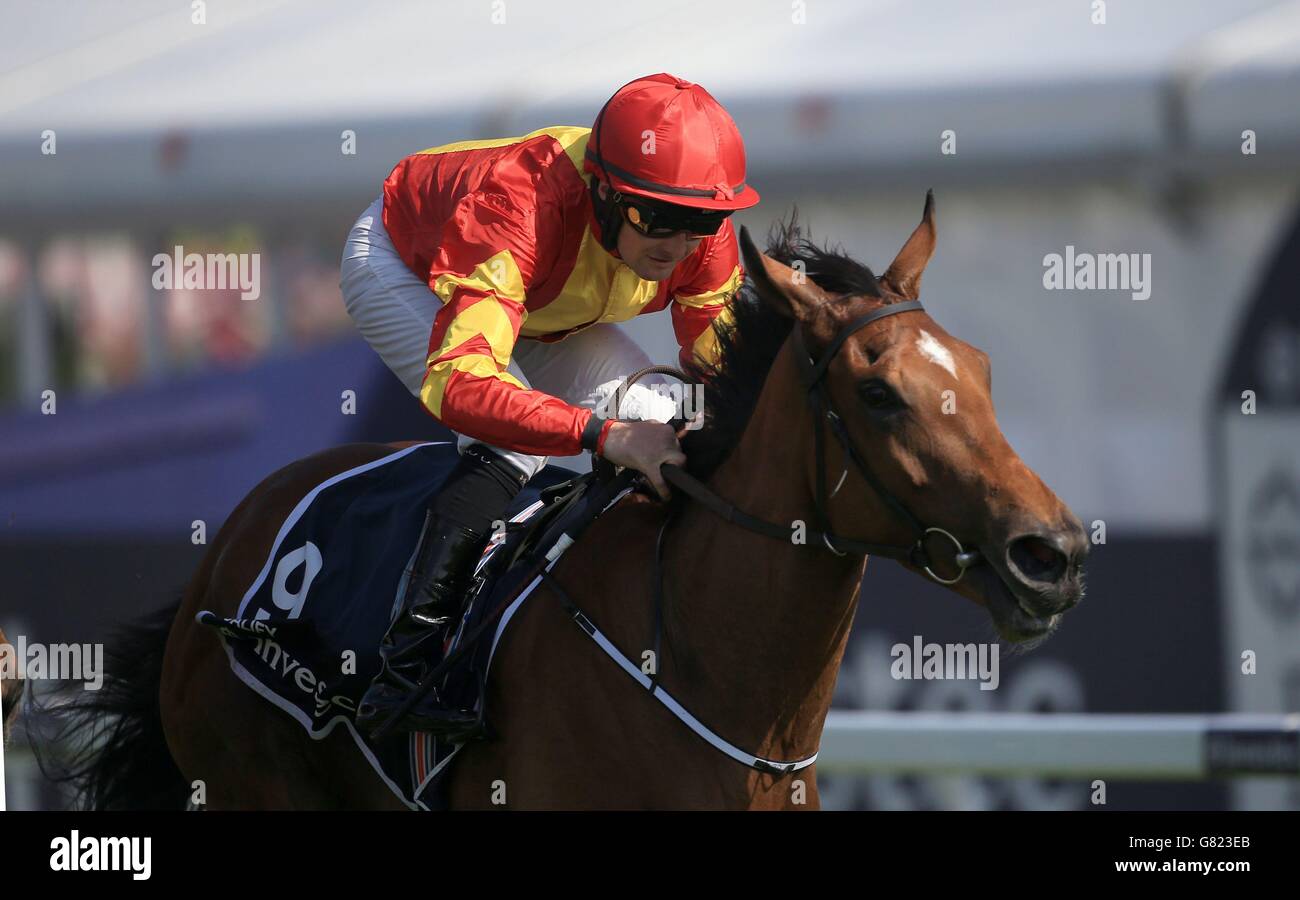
[667,699]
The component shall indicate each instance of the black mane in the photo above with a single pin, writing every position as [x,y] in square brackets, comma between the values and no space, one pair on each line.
[747,348]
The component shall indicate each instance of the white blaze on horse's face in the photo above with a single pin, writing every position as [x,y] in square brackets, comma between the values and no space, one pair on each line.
[936,352]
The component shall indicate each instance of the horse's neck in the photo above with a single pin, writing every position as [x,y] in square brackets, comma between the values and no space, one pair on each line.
[755,627]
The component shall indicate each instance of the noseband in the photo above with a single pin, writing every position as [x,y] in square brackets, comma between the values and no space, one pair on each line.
[813,375]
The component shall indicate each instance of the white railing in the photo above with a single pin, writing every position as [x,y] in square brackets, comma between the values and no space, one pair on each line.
[1084,745]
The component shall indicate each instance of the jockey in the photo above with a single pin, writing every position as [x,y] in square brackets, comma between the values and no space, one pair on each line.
[489,277]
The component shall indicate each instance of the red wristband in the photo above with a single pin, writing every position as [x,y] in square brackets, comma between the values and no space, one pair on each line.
[604,433]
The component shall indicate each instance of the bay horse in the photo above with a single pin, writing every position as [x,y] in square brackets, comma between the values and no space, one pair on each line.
[753,627]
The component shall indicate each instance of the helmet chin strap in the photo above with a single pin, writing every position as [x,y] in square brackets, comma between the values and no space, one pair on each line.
[607,214]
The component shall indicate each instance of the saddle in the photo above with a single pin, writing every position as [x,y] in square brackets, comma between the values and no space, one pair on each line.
[307,632]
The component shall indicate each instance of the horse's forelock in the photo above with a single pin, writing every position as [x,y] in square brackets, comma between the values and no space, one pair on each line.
[830,268]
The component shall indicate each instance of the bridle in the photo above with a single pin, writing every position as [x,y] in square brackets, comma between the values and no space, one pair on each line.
[812,373]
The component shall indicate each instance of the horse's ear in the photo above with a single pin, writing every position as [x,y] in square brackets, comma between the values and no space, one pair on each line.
[790,293]
[904,274]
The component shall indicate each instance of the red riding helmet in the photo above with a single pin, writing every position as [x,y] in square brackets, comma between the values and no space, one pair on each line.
[696,158]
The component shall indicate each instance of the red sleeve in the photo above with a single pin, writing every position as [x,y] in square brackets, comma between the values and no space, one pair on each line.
[486,256]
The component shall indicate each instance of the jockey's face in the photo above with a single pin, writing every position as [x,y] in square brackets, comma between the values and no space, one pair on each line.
[652,258]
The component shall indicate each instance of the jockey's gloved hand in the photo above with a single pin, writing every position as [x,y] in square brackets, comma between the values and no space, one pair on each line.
[644,446]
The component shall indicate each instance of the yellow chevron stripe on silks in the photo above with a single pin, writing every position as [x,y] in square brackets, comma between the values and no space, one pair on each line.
[705,346]
[435,380]
[486,317]
[497,274]
[715,297]
[572,138]
[599,288]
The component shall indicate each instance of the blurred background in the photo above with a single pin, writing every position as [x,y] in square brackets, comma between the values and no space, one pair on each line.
[1161,127]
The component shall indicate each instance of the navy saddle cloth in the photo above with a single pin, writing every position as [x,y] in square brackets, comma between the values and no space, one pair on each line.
[307,633]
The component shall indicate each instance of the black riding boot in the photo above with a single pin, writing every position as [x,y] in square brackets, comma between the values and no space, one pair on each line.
[476,493]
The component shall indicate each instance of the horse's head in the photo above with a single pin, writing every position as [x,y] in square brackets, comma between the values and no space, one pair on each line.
[916,403]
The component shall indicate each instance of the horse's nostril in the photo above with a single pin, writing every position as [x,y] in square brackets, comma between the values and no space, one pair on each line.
[1037,559]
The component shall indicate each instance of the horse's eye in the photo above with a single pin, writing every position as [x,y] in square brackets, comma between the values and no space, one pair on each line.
[876,395]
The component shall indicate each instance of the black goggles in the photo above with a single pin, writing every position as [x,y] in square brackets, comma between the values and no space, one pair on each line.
[663,220]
